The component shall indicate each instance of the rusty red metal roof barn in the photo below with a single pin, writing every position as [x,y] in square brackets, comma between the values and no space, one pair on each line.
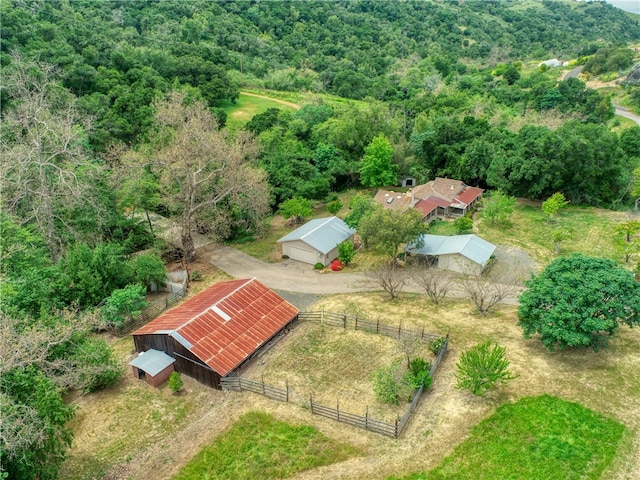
[225,323]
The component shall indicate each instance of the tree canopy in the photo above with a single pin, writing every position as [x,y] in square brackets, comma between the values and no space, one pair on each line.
[579,301]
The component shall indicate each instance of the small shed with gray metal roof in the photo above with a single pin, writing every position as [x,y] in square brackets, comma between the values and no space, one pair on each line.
[317,240]
[459,253]
[153,366]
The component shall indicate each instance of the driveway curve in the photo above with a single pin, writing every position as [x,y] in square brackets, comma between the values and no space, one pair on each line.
[294,276]
[287,275]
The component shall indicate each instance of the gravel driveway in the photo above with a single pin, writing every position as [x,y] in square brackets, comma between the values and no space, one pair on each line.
[301,285]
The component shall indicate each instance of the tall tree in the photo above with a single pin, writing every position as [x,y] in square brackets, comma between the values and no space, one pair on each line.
[205,172]
[579,301]
[376,167]
[386,229]
[497,206]
[44,165]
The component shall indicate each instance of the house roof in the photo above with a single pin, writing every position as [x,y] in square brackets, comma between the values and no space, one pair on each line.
[152,361]
[323,234]
[392,200]
[225,323]
[470,246]
[429,204]
[446,188]
[469,194]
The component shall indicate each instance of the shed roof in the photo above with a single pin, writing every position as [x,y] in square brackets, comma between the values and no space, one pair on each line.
[470,246]
[152,361]
[225,323]
[323,234]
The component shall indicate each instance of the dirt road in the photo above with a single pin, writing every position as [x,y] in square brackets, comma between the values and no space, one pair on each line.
[294,276]
[277,100]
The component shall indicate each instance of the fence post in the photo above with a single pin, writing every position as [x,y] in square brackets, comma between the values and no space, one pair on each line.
[287,385]
[338,408]
[366,418]
[356,327]
[311,402]
[344,320]
[263,392]
[378,325]
[422,334]
[400,329]
[396,429]
[166,302]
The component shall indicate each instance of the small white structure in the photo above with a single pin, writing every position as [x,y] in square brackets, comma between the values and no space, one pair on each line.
[317,240]
[467,254]
[554,62]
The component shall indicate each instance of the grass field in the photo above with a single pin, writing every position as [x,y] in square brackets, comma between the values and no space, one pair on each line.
[135,431]
[536,438]
[246,107]
[259,446]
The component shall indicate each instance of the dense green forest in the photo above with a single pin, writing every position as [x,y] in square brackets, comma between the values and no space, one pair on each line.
[113,110]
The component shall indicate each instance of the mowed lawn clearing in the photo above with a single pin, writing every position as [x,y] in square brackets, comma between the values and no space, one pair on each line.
[536,438]
[248,106]
[258,446]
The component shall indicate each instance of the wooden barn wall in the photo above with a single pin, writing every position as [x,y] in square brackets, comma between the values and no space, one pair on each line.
[189,364]
[186,362]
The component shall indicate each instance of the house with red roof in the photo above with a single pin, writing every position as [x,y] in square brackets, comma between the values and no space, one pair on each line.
[217,330]
[442,197]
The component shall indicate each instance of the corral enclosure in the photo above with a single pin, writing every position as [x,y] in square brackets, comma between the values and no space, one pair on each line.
[335,366]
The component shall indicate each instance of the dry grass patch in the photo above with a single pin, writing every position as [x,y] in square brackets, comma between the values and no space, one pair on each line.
[335,366]
[113,426]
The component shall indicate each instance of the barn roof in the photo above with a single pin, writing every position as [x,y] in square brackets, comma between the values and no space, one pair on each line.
[323,234]
[225,323]
[152,361]
[470,246]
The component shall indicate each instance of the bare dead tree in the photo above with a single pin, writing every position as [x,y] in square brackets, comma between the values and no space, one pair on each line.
[436,283]
[389,276]
[486,291]
[41,150]
[203,169]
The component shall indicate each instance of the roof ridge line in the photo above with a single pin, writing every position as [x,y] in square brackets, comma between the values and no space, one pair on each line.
[216,303]
[319,226]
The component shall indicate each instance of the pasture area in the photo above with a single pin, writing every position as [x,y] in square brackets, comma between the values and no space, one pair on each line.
[119,436]
[335,366]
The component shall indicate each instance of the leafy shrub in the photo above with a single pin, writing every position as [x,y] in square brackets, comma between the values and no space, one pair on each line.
[388,384]
[124,304]
[318,266]
[196,275]
[436,345]
[463,224]
[346,252]
[392,383]
[482,367]
[175,382]
[337,265]
[334,207]
[418,374]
